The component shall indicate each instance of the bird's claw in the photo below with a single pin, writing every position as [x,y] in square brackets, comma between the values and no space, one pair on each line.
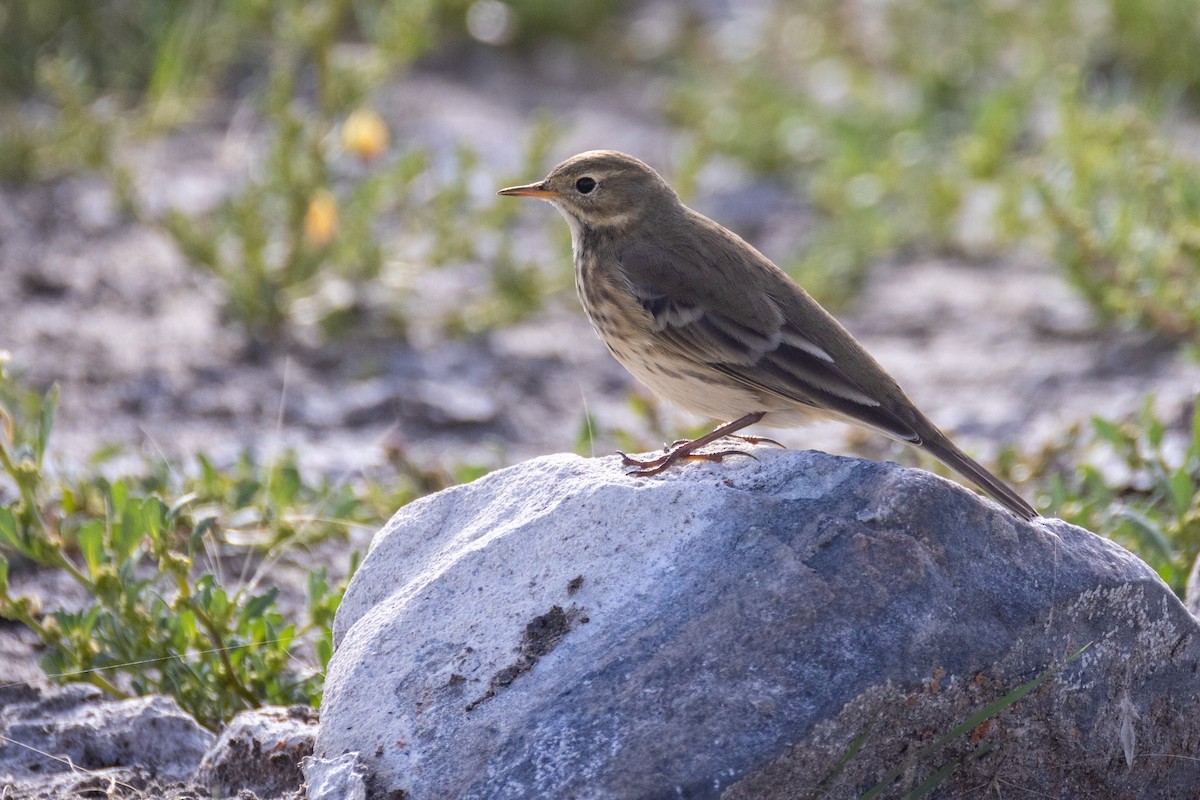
[755,440]
[653,466]
[650,466]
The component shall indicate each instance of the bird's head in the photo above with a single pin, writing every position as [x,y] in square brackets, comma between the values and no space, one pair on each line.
[602,189]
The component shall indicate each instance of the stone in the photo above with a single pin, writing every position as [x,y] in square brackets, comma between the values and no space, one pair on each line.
[341,778]
[66,741]
[758,628]
[260,750]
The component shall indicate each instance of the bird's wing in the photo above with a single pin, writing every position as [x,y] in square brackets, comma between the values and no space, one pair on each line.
[757,338]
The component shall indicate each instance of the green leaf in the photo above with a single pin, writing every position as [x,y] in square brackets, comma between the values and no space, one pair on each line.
[119,495]
[186,628]
[285,484]
[155,517]
[70,503]
[585,440]
[91,544]
[3,576]
[1195,448]
[201,529]
[935,780]
[255,628]
[87,621]
[260,603]
[1182,491]
[1155,430]
[1151,424]
[324,652]
[1147,531]
[9,532]
[1109,431]
[49,408]
[218,604]
[318,584]
[820,791]
[128,533]
[210,477]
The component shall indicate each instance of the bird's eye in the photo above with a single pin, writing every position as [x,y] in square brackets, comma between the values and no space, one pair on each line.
[585,185]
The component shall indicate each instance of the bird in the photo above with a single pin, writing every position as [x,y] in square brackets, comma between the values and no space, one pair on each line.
[707,322]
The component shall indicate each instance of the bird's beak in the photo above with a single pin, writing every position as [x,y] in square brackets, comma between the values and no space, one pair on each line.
[529,190]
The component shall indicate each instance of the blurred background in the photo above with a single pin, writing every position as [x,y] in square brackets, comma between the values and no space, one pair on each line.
[251,254]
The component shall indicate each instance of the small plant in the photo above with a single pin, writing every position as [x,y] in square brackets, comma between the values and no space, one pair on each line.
[299,245]
[1124,215]
[1133,481]
[518,287]
[903,136]
[79,136]
[300,233]
[912,127]
[154,619]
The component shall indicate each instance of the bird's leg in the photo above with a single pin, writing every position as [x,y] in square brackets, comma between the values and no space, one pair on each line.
[740,437]
[686,451]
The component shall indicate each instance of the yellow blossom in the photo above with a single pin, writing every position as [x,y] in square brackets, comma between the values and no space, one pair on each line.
[321,218]
[365,134]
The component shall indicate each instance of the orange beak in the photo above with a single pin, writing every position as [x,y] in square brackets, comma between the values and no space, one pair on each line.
[538,190]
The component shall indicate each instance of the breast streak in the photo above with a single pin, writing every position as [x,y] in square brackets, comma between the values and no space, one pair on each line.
[627,330]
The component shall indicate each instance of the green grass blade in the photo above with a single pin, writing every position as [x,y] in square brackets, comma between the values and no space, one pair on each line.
[935,780]
[969,724]
[49,408]
[850,753]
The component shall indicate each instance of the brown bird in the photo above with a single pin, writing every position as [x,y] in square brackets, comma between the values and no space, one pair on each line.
[706,321]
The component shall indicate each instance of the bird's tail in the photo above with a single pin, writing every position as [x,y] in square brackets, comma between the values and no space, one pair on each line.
[936,443]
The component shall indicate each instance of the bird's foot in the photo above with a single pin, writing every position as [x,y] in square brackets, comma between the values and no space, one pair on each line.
[653,466]
[686,450]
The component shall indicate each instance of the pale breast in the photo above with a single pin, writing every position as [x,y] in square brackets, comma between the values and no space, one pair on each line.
[627,331]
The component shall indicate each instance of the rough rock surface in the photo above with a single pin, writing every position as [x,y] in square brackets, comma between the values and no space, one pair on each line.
[341,778]
[558,629]
[260,750]
[76,742]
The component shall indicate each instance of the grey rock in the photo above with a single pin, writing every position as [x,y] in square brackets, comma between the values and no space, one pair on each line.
[260,750]
[341,778]
[738,630]
[52,736]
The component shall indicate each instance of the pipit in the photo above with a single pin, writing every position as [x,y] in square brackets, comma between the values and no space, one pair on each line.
[709,323]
